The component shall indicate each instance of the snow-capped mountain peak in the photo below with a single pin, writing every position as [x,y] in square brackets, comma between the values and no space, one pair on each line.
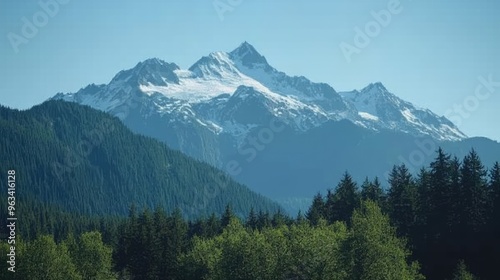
[153,70]
[375,104]
[247,55]
[232,92]
[377,87]
[216,64]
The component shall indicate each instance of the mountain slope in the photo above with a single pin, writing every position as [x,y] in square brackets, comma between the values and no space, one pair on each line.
[298,166]
[382,109]
[286,136]
[159,96]
[89,162]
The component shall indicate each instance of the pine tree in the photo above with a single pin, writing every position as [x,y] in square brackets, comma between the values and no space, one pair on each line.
[458,195]
[439,202]
[252,219]
[495,197]
[174,244]
[475,192]
[146,250]
[279,219]
[372,191]
[263,220]
[494,222]
[161,232]
[475,212]
[213,226]
[300,219]
[438,207]
[344,200]
[227,216]
[402,200]
[317,210]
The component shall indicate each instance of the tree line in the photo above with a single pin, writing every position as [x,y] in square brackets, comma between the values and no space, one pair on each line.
[442,223]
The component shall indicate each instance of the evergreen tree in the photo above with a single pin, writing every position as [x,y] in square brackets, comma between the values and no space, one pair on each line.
[161,233]
[439,205]
[227,216]
[475,212]
[174,244]
[213,226]
[344,200]
[458,195]
[493,240]
[495,198]
[263,220]
[300,218]
[279,219]
[252,219]
[372,191]
[317,210]
[145,252]
[402,199]
[439,202]
[475,192]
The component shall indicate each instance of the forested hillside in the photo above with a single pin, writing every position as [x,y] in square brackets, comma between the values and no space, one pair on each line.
[88,162]
[440,224]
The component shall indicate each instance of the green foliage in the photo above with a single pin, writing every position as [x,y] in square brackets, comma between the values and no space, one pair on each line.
[44,259]
[80,170]
[462,273]
[93,258]
[88,162]
[373,249]
[285,252]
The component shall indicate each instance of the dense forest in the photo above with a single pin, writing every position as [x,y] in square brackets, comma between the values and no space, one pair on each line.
[86,161]
[442,223]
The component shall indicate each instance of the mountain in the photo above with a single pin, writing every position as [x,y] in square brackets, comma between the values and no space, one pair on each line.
[385,110]
[298,166]
[235,111]
[156,89]
[87,161]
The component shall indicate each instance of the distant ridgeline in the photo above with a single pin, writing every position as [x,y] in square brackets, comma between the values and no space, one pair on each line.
[87,161]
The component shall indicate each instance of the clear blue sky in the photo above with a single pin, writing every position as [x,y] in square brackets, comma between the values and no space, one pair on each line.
[431,53]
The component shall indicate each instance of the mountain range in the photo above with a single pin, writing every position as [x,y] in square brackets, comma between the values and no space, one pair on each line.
[284,136]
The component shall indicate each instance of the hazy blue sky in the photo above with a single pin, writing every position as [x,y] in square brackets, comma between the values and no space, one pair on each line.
[431,53]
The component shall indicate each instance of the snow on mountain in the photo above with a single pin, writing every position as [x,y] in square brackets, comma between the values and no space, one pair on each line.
[382,109]
[232,93]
